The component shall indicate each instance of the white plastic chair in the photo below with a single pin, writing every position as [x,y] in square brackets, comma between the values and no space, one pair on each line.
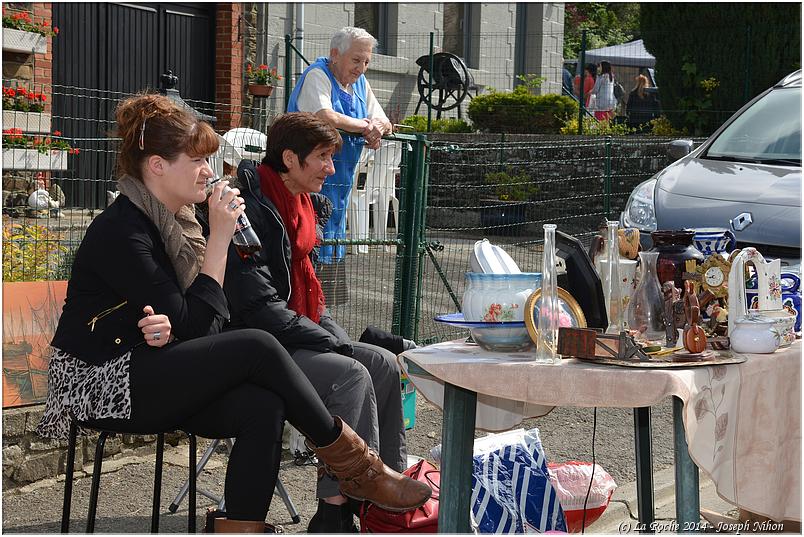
[358,228]
[380,190]
[246,141]
[226,153]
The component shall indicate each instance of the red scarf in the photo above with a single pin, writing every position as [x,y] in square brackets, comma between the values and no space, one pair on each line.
[298,215]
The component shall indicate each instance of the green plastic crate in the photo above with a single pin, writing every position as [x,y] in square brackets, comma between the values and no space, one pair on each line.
[408,402]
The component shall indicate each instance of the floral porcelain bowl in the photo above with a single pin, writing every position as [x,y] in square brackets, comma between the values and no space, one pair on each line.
[499,298]
[755,334]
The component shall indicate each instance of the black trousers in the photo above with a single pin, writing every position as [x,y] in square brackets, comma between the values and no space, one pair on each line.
[240,384]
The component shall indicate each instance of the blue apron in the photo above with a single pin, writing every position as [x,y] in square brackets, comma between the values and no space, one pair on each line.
[338,187]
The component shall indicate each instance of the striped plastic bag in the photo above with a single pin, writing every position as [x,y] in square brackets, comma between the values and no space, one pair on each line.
[511,490]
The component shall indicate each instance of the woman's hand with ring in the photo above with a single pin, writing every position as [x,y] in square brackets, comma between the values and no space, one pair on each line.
[155,328]
[224,210]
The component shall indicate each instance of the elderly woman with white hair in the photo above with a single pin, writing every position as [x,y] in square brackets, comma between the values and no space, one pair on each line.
[336,90]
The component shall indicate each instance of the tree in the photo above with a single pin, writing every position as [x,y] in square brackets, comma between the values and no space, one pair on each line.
[713,58]
[605,24]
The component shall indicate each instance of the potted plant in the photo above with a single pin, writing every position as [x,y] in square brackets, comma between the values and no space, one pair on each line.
[24,109]
[25,152]
[22,34]
[262,80]
[508,206]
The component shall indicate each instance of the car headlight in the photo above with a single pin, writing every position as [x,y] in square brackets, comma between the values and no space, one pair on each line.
[639,211]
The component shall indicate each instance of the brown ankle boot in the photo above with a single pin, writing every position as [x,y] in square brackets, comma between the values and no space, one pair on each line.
[363,476]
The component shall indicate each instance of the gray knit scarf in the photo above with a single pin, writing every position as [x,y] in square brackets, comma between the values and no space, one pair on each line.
[181,233]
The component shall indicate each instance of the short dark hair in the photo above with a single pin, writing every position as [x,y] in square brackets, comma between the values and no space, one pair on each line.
[301,132]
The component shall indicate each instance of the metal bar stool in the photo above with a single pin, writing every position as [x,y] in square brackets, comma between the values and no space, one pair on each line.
[96,471]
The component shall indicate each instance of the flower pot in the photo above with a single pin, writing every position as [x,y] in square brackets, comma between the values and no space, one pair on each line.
[26,121]
[503,217]
[260,90]
[31,159]
[19,41]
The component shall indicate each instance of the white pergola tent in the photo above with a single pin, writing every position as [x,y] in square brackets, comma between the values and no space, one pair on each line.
[632,54]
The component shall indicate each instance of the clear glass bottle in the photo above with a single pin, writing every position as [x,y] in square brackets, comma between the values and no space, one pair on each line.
[646,308]
[611,289]
[547,323]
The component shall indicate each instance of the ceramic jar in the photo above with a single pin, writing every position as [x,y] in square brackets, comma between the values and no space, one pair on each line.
[755,334]
[675,249]
[714,240]
[494,298]
[628,277]
[791,295]
[498,298]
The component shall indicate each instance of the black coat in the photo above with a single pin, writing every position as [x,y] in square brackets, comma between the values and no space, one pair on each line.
[122,259]
[640,110]
[258,288]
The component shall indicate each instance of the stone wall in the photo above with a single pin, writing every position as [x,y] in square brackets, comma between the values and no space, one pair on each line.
[572,174]
[27,457]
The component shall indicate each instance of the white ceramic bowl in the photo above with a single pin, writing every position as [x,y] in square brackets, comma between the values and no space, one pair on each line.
[502,338]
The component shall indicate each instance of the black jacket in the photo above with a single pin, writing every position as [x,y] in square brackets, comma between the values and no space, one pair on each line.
[258,288]
[641,110]
[122,262]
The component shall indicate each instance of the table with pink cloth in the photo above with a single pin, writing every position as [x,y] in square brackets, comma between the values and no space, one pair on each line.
[741,422]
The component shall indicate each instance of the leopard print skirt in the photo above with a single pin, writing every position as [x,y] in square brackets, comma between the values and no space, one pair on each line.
[76,389]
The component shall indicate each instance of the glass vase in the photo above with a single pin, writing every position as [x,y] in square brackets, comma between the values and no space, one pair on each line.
[646,308]
[612,290]
[547,323]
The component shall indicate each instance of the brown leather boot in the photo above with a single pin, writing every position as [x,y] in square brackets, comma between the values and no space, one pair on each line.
[363,476]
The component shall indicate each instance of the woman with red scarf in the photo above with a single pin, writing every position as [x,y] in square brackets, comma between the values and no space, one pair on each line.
[277,290]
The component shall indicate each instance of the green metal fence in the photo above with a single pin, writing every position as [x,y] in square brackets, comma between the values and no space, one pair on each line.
[452,190]
[504,190]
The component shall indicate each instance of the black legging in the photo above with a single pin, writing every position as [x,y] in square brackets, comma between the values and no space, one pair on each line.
[240,384]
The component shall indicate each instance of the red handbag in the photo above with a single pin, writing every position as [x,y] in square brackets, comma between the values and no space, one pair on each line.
[423,519]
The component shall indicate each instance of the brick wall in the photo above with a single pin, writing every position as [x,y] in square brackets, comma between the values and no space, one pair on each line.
[228,65]
[33,72]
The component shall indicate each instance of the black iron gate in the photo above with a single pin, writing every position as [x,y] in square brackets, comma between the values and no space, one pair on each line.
[107,51]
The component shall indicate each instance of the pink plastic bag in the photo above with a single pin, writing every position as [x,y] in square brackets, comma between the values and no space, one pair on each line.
[571,481]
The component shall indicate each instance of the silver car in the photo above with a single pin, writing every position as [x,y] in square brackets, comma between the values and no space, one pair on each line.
[746,177]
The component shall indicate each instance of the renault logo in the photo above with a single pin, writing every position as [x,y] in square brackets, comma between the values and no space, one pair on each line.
[741,221]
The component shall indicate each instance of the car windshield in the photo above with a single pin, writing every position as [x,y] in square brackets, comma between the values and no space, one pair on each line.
[769,132]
